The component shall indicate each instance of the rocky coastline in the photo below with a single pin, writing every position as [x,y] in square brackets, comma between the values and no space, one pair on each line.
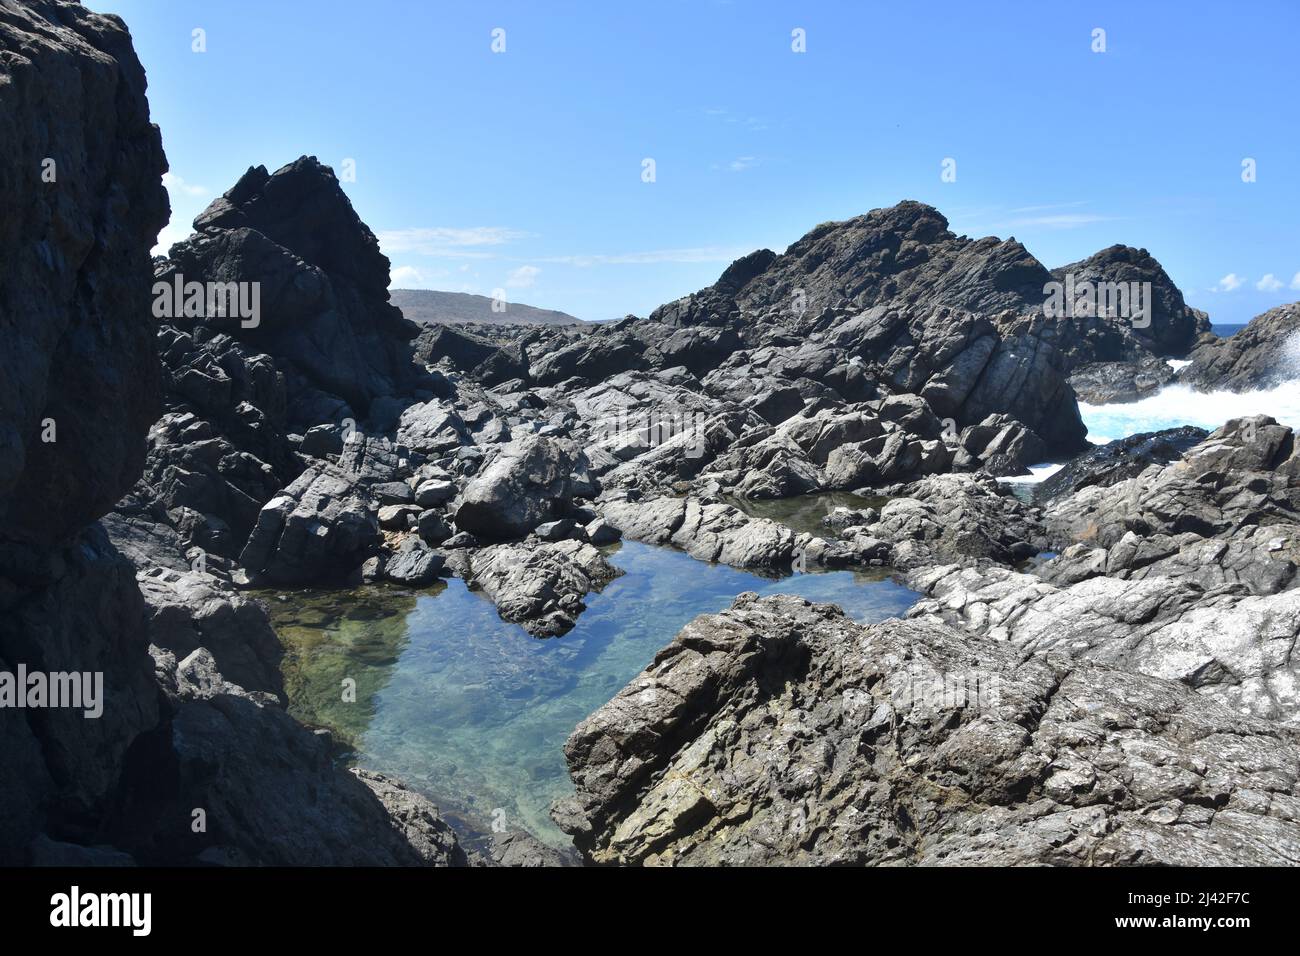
[1099,674]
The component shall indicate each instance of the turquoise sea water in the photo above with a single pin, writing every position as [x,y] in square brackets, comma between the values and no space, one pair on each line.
[473,711]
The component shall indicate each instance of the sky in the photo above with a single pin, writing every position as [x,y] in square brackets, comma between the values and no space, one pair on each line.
[504,145]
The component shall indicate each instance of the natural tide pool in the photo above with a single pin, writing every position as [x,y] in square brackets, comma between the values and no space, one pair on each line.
[474,712]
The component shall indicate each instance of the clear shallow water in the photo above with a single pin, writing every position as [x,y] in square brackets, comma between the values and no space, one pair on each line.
[805,512]
[471,710]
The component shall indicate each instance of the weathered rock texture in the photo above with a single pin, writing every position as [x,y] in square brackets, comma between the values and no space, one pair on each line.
[782,732]
[79,387]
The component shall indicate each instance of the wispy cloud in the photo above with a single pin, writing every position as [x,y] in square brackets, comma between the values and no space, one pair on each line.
[741,163]
[654,256]
[1295,281]
[1069,220]
[732,118]
[1050,206]
[406,277]
[523,277]
[448,241]
[1270,283]
[1229,283]
[175,184]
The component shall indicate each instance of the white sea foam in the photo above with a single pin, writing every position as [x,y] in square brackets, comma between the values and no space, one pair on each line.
[1181,405]
[1037,474]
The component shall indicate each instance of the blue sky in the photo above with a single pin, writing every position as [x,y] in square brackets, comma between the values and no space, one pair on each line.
[523,170]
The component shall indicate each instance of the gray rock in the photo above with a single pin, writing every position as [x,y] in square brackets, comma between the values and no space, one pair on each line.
[782,732]
[540,585]
[528,482]
[600,532]
[414,568]
[434,492]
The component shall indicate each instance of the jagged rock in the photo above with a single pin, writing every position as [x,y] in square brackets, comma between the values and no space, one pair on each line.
[965,518]
[1263,354]
[324,310]
[78,362]
[782,732]
[398,517]
[1170,327]
[434,492]
[540,585]
[432,528]
[79,386]
[417,820]
[85,616]
[318,529]
[520,848]
[234,749]
[1245,473]
[187,611]
[708,531]
[417,568]
[1117,461]
[432,428]
[1002,446]
[600,532]
[1235,649]
[1101,383]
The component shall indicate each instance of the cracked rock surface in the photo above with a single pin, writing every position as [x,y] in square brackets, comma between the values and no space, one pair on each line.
[782,732]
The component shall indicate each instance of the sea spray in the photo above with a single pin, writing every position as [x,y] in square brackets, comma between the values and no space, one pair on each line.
[1182,405]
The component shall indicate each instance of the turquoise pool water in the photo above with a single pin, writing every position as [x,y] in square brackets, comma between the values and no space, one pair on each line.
[474,712]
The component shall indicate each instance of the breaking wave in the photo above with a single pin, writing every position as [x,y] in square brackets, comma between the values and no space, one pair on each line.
[1181,405]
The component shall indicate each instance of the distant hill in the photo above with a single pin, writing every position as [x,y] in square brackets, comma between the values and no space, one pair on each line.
[429,307]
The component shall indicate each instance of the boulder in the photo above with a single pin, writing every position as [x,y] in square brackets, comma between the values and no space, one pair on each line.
[529,481]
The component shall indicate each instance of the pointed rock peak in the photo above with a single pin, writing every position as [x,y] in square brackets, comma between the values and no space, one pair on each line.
[740,272]
[302,207]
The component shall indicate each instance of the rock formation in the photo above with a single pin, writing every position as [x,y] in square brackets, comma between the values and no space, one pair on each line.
[780,732]
[177,741]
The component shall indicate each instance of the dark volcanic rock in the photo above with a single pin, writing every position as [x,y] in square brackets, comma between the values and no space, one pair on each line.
[1264,353]
[325,316]
[78,369]
[1119,460]
[540,585]
[78,389]
[79,376]
[1100,383]
[902,254]
[1171,327]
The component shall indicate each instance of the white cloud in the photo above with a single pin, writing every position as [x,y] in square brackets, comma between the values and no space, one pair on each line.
[741,163]
[448,241]
[1057,221]
[1270,283]
[1229,283]
[655,256]
[523,277]
[168,236]
[405,277]
[173,183]
[1295,281]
